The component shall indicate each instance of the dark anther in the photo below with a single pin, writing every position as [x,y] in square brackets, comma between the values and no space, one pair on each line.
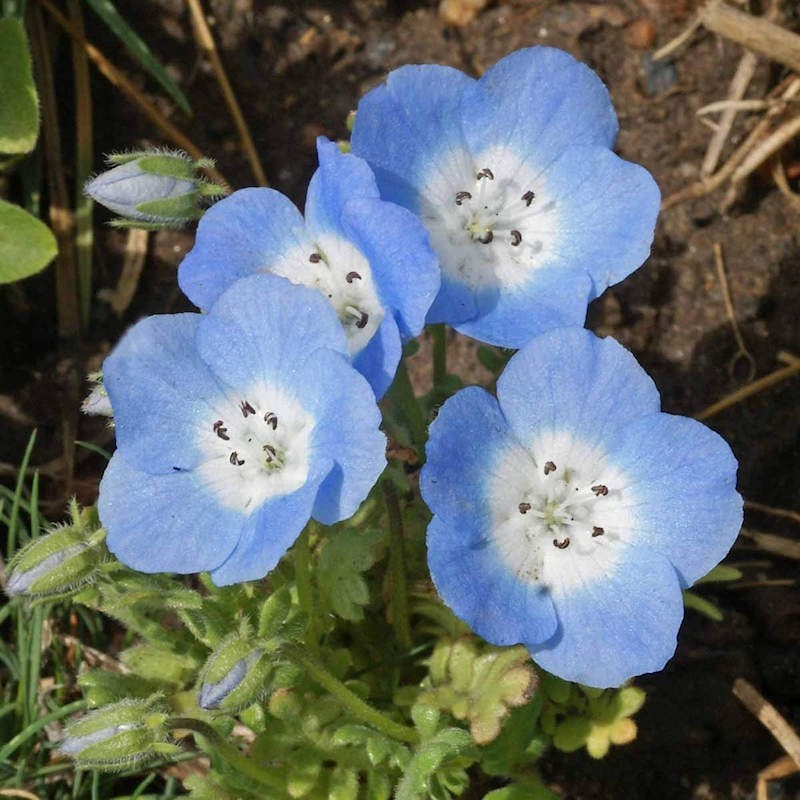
[315,258]
[220,431]
[462,196]
[270,451]
[271,419]
[528,197]
[562,545]
[516,238]
[524,508]
[362,321]
[549,467]
[486,238]
[246,408]
[486,173]
[218,424]
[352,276]
[235,460]
[597,531]
[600,490]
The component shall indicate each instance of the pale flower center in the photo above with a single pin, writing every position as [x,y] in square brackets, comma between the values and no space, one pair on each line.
[256,447]
[490,219]
[558,512]
[340,271]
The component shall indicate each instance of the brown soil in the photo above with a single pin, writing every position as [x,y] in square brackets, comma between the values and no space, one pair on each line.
[298,68]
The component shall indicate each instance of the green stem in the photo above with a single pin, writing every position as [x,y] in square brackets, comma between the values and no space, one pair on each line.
[397,566]
[438,335]
[228,752]
[349,700]
[305,591]
[411,409]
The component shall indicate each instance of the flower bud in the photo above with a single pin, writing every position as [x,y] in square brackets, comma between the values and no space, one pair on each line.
[235,675]
[58,563]
[153,189]
[119,736]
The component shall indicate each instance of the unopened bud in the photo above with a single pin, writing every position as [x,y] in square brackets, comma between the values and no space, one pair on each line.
[118,736]
[59,563]
[234,677]
[153,189]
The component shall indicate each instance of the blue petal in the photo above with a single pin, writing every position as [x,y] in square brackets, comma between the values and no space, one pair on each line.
[339,178]
[270,532]
[606,210]
[482,591]
[683,491]
[622,625]
[405,269]
[263,327]
[537,101]
[467,439]
[454,304]
[568,380]
[378,361]
[161,392]
[347,432]
[164,523]
[406,127]
[237,236]
[468,435]
[511,317]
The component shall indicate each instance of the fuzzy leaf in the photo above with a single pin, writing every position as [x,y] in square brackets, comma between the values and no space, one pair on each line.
[343,784]
[19,103]
[27,245]
[428,759]
[342,562]
[571,734]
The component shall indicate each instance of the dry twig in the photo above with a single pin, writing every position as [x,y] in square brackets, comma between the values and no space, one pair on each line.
[209,47]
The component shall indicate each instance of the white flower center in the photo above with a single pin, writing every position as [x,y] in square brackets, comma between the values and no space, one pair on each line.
[558,513]
[256,447]
[490,219]
[338,269]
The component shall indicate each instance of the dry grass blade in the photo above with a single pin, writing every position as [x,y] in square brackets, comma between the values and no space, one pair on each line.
[135,253]
[127,88]
[775,512]
[782,182]
[748,391]
[782,768]
[780,137]
[737,105]
[777,545]
[61,218]
[742,352]
[209,47]
[679,41]
[757,34]
[741,80]
[769,717]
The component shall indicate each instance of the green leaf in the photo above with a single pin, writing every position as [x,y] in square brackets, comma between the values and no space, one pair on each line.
[345,556]
[139,50]
[428,760]
[343,784]
[706,607]
[721,573]
[531,789]
[27,245]
[19,104]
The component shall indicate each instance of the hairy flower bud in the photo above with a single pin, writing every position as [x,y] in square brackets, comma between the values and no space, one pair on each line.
[235,675]
[153,189]
[118,736]
[58,563]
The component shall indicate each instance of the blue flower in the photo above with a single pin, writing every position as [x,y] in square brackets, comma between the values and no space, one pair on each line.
[570,512]
[529,211]
[370,258]
[233,428]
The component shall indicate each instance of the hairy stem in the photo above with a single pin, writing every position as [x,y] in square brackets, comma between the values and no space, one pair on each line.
[349,700]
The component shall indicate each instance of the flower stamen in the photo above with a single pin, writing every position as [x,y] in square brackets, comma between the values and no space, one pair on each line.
[563,544]
[352,276]
[271,419]
[516,238]
[528,197]
[600,490]
[549,467]
[235,460]
[246,409]
[524,508]
[462,196]
[597,531]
